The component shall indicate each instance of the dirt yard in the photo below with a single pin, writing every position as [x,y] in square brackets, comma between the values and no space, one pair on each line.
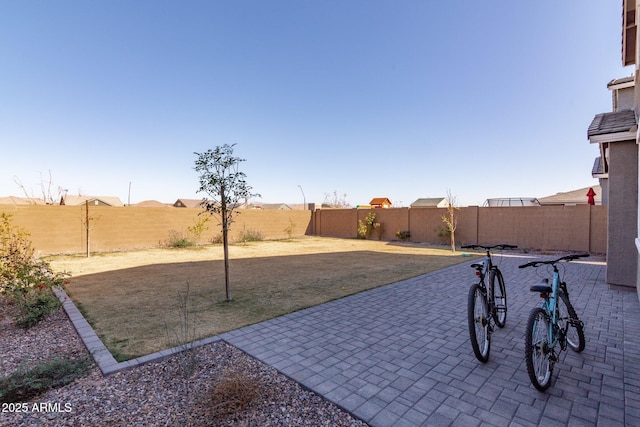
[135,300]
[79,265]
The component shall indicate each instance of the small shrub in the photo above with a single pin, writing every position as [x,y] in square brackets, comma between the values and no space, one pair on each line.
[443,233]
[234,392]
[179,240]
[289,229]
[199,226]
[34,307]
[403,235]
[251,235]
[365,228]
[24,383]
[183,334]
[25,280]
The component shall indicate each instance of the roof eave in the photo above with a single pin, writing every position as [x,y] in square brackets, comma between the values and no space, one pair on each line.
[629,135]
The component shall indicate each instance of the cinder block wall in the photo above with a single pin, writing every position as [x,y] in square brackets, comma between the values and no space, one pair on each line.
[566,228]
[61,229]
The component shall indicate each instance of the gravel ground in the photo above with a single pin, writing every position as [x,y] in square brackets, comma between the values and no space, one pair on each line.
[227,387]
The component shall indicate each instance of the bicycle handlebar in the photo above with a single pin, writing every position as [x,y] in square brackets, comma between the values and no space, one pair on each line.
[500,246]
[552,262]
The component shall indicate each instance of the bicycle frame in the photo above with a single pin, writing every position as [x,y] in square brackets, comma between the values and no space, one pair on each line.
[549,305]
[487,265]
[540,344]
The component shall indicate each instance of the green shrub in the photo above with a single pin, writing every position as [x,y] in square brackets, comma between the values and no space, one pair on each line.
[251,235]
[36,306]
[24,383]
[199,226]
[365,228]
[25,280]
[403,235]
[179,240]
[289,229]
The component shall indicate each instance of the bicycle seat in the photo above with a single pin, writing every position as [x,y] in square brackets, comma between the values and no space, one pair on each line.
[543,286]
[477,266]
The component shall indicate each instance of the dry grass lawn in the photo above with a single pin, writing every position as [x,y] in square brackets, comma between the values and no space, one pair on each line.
[133,299]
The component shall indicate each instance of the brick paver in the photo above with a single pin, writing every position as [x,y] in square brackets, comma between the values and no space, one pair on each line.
[400,354]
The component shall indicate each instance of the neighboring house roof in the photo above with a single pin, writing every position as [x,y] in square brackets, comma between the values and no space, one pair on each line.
[610,127]
[152,204]
[188,203]
[575,197]
[93,200]
[12,200]
[380,201]
[274,206]
[434,202]
[511,201]
[597,168]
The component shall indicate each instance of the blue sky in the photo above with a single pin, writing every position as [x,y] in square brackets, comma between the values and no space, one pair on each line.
[399,99]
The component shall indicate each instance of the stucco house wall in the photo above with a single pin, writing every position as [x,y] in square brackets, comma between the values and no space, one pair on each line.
[622,256]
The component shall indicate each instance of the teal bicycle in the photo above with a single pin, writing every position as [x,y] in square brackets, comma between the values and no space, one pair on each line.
[551,327]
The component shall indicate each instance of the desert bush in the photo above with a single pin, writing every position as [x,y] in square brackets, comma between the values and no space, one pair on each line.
[183,334]
[234,392]
[177,239]
[289,229]
[26,280]
[403,235]
[251,235]
[199,226]
[25,383]
[36,306]
[365,228]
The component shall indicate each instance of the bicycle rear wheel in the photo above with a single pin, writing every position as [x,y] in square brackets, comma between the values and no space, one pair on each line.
[479,325]
[499,297]
[567,314]
[537,349]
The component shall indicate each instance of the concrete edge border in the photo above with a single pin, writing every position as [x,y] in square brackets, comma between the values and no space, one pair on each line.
[103,358]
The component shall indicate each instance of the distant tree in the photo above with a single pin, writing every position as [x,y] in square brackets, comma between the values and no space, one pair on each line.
[451,218]
[225,187]
[335,201]
[48,196]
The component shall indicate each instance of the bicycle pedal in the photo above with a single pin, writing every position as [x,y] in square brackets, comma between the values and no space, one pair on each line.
[562,338]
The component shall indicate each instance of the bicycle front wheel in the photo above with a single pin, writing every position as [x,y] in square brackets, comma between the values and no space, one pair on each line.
[567,315]
[499,297]
[537,349]
[479,327]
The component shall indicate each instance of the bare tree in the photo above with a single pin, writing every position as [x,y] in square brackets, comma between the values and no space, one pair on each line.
[226,187]
[335,201]
[451,218]
[45,188]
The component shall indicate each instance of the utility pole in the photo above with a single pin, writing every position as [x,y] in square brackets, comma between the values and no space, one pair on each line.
[304,199]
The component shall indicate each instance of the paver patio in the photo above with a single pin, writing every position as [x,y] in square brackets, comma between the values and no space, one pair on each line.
[400,355]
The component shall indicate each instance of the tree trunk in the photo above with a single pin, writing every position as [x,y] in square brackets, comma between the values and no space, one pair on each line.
[88,227]
[453,232]
[225,244]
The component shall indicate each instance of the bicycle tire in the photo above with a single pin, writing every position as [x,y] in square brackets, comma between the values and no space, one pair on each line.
[499,298]
[537,349]
[479,325]
[575,332]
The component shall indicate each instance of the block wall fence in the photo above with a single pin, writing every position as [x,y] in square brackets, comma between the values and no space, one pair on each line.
[61,229]
[563,228]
